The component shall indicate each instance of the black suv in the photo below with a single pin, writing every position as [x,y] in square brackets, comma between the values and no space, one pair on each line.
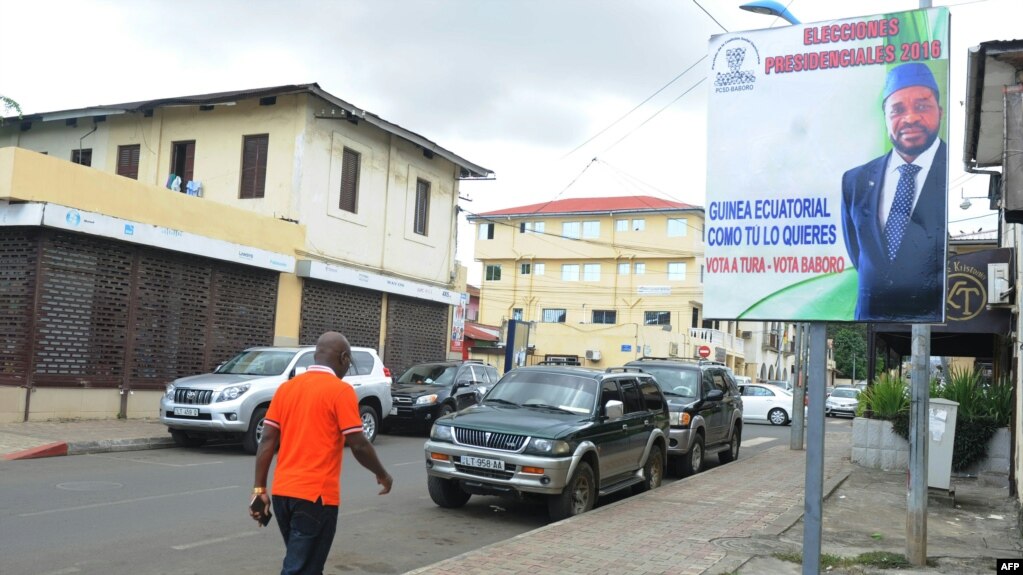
[430,390]
[566,434]
[706,410]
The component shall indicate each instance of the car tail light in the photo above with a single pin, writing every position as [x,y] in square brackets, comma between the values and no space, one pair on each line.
[387,371]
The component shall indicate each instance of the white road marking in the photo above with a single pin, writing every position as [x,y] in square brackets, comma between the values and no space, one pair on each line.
[65,571]
[123,501]
[418,461]
[757,441]
[214,541]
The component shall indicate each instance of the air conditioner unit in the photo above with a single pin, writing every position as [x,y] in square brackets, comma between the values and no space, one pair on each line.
[593,354]
[747,335]
[673,348]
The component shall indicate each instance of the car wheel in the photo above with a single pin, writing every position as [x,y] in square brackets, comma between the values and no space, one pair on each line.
[370,422]
[183,439]
[445,410]
[579,496]
[250,442]
[777,416]
[732,453]
[692,462]
[446,492]
[653,471]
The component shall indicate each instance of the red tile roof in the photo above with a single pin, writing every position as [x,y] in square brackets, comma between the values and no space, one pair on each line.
[481,332]
[594,205]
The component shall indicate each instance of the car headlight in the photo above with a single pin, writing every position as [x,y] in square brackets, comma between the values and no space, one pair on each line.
[170,391]
[679,418]
[232,392]
[548,447]
[427,399]
[442,433]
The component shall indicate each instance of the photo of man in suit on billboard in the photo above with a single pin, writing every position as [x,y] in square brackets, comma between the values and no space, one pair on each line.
[894,208]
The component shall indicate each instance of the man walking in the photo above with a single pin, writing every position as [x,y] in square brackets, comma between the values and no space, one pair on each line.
[311,419]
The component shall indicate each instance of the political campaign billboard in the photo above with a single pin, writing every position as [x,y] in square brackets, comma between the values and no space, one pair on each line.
[827,171]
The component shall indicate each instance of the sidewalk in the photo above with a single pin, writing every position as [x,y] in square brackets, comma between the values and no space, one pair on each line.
[729,520]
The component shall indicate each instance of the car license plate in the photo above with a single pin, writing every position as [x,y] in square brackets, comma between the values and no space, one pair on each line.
[187,411]
[483,463]
[394,411]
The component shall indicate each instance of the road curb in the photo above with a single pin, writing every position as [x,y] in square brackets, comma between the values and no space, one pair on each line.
[114,445]
[49,450]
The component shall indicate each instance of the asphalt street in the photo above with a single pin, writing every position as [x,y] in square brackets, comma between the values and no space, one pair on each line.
[182,511]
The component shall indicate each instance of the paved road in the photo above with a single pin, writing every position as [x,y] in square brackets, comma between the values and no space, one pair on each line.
[177,511]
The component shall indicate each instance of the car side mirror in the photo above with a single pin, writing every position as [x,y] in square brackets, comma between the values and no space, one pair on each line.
[715,395]
[614,409]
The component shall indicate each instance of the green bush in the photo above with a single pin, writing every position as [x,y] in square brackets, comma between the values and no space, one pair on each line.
[884,399]
[983,409]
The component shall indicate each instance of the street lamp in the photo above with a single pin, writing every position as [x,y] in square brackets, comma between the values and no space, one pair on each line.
[770,8]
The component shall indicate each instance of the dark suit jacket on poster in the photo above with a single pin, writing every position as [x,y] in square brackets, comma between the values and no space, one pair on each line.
[910,288]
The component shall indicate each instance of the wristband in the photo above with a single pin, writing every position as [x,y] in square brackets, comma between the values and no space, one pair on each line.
[258,490]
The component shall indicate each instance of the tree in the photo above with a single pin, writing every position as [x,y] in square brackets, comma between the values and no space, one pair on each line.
[849,343]
[8,105]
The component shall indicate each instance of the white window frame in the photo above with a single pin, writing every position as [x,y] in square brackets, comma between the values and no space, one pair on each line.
[677,271]
[639,225]
[621,225]
[591,272]
[538,269]
[624,268]
[571,230]
[639,268]
[489,275]
[569,272]
[591,229]
[486,232]
[678,227]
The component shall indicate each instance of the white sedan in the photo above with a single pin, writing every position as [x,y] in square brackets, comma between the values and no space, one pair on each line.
[766,403]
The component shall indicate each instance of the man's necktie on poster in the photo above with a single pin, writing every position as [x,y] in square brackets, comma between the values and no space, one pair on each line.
[901,208]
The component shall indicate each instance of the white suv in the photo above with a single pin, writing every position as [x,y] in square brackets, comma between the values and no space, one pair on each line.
[232,401]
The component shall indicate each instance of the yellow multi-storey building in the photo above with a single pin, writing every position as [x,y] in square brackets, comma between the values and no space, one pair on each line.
[603,281]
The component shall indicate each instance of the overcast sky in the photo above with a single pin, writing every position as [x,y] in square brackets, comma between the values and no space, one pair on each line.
[515,86]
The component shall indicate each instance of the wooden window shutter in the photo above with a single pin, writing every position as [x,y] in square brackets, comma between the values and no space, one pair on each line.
[350,165]
[128,161]
[254,150]
[422,207]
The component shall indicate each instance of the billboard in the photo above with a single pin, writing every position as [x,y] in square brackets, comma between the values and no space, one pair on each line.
[827,171]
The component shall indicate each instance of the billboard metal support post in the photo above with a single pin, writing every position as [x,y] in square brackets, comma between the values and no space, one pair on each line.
[799,390]
[916,497]
[813,501]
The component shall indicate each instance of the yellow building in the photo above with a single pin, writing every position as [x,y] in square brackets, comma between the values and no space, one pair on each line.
[603,281]
[151,240]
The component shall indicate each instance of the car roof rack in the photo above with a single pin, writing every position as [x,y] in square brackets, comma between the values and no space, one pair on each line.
[624,369]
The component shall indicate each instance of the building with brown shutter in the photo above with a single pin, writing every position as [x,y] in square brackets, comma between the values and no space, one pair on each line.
[146,241]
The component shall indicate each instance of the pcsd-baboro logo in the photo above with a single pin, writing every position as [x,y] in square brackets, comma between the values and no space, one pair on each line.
[736,67]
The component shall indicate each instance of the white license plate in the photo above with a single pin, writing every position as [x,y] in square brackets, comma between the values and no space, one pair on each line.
[394,411]
[483,463]
[187,411]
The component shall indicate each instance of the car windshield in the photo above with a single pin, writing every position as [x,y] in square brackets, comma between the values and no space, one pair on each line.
[847,392]
[258,362]
[429,374]
[679,382]
[532,388]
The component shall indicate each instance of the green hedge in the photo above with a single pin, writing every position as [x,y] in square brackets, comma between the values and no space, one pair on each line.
[983,409]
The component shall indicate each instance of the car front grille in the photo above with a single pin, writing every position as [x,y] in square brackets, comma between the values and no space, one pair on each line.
[401,399]
[193,396]
[490,440]
[509,471]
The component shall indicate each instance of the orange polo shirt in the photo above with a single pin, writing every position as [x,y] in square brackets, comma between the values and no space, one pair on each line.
[313,411]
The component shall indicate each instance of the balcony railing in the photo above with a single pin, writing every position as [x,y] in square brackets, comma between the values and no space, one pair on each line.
[717,337]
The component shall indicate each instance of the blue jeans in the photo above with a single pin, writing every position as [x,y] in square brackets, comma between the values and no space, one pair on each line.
[308,529]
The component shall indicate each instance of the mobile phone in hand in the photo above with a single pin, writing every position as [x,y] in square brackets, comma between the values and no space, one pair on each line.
[260,507]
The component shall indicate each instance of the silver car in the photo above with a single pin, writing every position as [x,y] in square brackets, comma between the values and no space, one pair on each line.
[232,401]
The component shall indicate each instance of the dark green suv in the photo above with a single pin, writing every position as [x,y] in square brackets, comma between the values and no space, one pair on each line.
[567,434]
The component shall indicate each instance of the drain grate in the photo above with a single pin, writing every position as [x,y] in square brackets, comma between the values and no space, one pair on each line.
[755,545]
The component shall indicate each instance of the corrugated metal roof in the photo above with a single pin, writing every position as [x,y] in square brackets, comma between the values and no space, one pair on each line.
[469,169]
[616,204]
